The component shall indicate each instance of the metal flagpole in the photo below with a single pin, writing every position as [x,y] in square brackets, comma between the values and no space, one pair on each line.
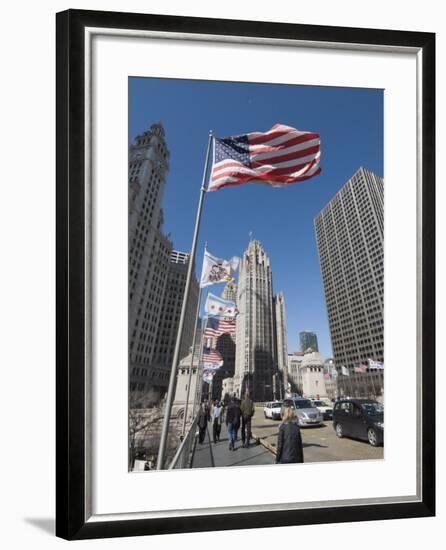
[199,384]
[197,315]
[176,353]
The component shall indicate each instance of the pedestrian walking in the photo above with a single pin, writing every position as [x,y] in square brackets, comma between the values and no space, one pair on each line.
[289,440]
[248,410]
[216,421]
[233,421]
[202,422]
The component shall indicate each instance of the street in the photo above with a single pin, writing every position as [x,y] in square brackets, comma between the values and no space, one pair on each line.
[320,443]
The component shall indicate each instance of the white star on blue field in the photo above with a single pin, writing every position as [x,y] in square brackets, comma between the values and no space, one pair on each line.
[350,123]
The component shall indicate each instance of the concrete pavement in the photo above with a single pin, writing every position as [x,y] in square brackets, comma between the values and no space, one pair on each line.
[209,455]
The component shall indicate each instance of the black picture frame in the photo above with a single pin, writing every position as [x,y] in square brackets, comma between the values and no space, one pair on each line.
[71,510]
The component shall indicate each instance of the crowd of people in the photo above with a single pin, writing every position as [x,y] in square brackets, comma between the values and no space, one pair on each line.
[238,413]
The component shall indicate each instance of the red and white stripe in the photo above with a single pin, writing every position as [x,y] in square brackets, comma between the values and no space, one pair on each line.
[281,156]
[224,327]
[213,356]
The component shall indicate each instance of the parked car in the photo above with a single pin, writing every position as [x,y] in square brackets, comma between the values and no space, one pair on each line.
[359,418]
[324,407]
[307,415]
[273,410]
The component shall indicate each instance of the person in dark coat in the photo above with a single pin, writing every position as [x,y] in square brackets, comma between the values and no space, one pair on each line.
[289,440]
[233,421]
[202,422]
[247,408]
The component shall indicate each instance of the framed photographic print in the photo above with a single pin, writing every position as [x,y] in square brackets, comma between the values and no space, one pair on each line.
[245,274]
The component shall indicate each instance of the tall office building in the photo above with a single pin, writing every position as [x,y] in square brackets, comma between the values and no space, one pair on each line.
[349,234]
[255,354]
[171,311]
[281,343]
[230,292]
[152,265]
[308,340]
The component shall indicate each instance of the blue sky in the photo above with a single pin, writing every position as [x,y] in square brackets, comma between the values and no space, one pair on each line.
[350,122]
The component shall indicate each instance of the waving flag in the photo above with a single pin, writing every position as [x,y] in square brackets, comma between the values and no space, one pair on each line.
[345,371]
[212,359]
[216,270]
[218,327]
[375,364]
[278,157]
[208,376]
[218,307]
[360,368]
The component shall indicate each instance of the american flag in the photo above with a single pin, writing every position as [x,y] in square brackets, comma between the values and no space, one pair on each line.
[212,359]
[217,327]
[360,368]
[278,157]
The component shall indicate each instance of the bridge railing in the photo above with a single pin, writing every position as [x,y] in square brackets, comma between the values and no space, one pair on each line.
[184,455]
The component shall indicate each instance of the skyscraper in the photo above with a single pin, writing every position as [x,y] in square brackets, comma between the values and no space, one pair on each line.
[230,292]
[153,269]
[308,340]
[281,342]
[171,310]
[255,354]
[349,234]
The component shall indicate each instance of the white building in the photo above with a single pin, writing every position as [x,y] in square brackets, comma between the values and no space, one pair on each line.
[306,372]
[179,404]
[311,375]
[227,388]
[294,361]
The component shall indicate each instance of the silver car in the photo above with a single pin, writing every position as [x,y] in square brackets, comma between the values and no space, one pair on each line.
[307,414]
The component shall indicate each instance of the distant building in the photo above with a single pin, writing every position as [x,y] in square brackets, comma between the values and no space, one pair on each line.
[311,381]
[350,239]
[281,344]
[308,340]
[294,361]
[230,292]
[171,310]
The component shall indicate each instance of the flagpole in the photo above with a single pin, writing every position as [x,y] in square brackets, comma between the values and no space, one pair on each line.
[176,353]
[200,362]
[186,409]
[199,384]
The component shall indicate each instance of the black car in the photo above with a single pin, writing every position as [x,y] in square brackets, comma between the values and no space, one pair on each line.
[360,418]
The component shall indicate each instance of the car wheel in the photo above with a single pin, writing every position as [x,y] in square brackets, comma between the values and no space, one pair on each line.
[339,430]
[372,437]
[264,414]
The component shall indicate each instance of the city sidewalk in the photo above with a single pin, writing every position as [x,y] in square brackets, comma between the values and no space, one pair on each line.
[209,455]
